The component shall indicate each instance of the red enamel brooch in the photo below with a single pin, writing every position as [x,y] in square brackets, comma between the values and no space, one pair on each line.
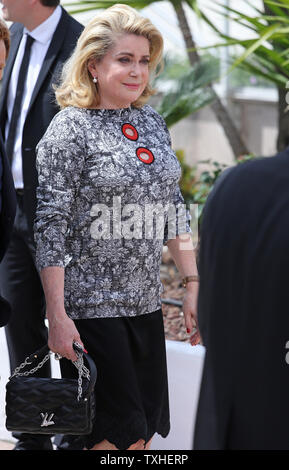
[145,155]
[129,131]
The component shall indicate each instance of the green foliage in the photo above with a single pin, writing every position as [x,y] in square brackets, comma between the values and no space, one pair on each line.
[188,88]
[195,185]
[81,6]
[242,77]
[266,55]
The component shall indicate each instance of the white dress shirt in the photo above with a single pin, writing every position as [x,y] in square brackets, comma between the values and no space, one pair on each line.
[42,37]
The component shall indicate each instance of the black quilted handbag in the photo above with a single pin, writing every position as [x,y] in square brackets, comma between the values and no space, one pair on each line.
[51,406]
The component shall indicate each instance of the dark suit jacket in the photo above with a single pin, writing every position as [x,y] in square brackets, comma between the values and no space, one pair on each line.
[7,215]
[42,107]
[243,309]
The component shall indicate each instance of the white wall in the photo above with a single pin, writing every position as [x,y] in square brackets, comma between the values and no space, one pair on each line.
[184,373]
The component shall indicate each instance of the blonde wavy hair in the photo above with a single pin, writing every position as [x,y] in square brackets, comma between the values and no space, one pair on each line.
[76,87]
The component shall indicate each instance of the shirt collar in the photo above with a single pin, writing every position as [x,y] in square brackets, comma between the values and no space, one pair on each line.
[44,32]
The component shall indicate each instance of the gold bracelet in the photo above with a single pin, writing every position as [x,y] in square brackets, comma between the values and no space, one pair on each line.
[187,279]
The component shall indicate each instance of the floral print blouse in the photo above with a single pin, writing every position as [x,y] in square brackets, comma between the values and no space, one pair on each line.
[108,198]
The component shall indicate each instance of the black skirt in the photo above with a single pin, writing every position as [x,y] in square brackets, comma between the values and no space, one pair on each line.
[131,391]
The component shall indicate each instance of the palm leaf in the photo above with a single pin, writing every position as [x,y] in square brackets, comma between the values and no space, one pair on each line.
[275,7]
[186,105]
[89,5]
[257,10]
[265,55]
[191,93]
[281,3]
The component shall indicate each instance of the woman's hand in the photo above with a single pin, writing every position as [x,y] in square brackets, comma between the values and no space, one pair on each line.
[62,334]
[62,330]
[190,315]
[183,253]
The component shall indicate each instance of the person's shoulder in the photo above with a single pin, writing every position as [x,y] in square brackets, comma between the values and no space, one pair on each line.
[69,113]
[151,113]
[259,170]
[74,25]
[251,182]
[15,28]
[148,110]
[242,170]
[69,122]
[66,128]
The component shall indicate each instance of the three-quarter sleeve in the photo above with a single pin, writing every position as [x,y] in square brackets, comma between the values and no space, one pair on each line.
[60,160]
[178,221]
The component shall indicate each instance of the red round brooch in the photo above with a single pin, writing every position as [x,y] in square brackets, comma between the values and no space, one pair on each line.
[129,131]
[145,155]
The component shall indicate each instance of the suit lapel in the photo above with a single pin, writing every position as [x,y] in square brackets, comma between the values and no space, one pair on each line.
[53,50]
[17,36]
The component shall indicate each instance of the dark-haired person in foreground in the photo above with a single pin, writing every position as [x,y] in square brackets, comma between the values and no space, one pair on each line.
[243,309]
[43,36]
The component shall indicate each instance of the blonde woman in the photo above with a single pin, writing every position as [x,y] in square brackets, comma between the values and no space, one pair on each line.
[104,160]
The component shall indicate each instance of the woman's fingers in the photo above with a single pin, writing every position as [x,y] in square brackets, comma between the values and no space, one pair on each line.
[188,322]
[195,338]
[61,337]
[190,316]
[72,356]
[189,309]
[64,350]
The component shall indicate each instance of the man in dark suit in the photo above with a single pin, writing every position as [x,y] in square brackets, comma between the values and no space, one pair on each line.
[43,37]
[243,309]
[7,214]
[7,191]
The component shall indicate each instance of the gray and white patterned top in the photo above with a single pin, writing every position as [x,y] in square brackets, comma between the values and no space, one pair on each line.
[103,174]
